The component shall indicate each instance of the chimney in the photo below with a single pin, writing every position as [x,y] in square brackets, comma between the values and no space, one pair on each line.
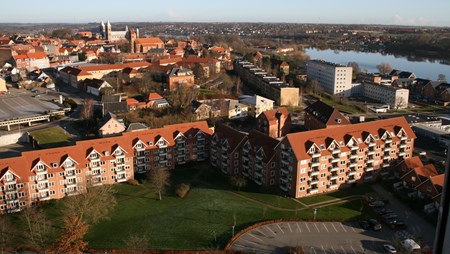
[278,115]
[60,99]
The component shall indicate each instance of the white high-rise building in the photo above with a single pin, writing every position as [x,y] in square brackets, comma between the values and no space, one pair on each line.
[335,79]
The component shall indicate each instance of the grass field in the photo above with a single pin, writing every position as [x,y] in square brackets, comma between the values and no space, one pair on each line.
[357,190]
[340,107]
[203,219]
[51,137]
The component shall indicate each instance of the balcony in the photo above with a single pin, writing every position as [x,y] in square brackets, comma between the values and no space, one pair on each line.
[351,172]
[245,172]
[353,148]
[337,150]
[10,181]
[44,197]
[119,156]
[71,184]
[403,138]
[314,172]
[94,159]
[224,164]
[41,179]
[370,152]
[353,156]
[387,149]
[333,177]
[72,193]
[10,191]
[315,155]
[284,153]
[121,179]
[258,181]
[401,154]
[334,168]
[284,180]
[224,157]
[353,164]
[333,185]
[315,164]
[120,170]
[285,171]
[372,144]
[350,181]
[283,187]
[385,165]
[258,174]
[95,166]
[97,183]
[402,146]
[386,157]
[368,169]
[369,161]
[335,160]
[387,141]
[44,188]
[313,190]
[314,181]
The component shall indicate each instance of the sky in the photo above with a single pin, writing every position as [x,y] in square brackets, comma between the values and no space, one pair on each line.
[390,12]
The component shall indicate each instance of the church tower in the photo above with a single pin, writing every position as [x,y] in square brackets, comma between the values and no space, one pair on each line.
[102,29]
[108,31]
[133,34]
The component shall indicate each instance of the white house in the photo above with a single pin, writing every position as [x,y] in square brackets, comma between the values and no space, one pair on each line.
[95,86]
[256,104]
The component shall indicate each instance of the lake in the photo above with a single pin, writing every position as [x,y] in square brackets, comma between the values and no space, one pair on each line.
[422,69]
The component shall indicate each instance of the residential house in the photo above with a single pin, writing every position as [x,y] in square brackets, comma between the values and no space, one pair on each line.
[114,104]
[156,101]
[94,86]
[320,115]
[276,122]
[30,61]
[142,45]
[256,104]
[179,77]
[110,125]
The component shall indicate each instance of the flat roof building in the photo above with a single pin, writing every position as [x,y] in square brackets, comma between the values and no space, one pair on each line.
[335,79]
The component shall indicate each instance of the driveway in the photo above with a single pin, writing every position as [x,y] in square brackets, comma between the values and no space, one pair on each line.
[416,224]
[314,237]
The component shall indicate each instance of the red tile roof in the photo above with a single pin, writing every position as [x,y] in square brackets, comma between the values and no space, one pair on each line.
[154,96]
[301,141]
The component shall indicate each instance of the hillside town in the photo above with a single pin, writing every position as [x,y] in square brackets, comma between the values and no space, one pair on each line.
[138,115]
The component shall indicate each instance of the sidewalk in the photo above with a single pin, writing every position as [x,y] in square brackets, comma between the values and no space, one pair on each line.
[416,224]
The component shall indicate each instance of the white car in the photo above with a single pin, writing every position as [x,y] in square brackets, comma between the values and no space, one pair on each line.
[389,248]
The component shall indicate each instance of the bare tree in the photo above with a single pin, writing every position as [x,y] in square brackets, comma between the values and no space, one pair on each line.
[71,239]
[316,87]
[7,232]
[87,109]
[355,68]
[399,103]
[238,181]
[39,232]
[137,243]
[159,181]
[93,205]
[441,77]
[384,68]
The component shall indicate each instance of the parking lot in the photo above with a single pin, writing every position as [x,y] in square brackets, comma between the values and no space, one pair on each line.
[314,237]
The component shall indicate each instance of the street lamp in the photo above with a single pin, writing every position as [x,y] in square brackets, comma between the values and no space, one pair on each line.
[232,232]
[315,213]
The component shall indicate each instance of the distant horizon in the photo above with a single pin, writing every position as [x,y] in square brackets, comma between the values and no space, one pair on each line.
[223,22]
[416,13]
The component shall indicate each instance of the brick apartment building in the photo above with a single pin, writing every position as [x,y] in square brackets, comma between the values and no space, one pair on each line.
[316,161]
[59,172]
[275,123]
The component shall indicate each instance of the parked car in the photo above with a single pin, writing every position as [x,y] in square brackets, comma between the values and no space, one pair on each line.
[376,204]
[382,211]
[396,224]
[410,245]
[389,248]
[389,216]
[364,224]
[375,225]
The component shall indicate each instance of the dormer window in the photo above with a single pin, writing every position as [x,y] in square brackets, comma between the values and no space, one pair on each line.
[94,156]
[54,165]
[106,153]
[119,152]
[139,145]
[150,143]
[69,163]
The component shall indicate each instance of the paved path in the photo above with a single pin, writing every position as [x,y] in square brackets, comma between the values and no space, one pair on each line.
[416,224]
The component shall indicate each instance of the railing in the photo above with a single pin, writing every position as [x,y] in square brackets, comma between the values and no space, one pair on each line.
[314,172]
[368,169]
[353,156]
[313,190]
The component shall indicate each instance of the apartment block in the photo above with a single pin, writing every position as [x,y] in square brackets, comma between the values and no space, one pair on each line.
[266,84]
[396,98]
[335,79]
[319,161]
[55,173]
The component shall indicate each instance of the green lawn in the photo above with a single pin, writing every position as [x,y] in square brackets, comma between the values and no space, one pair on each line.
[340,107]
[203,219]
[357,190]
[207,91]
[51,137]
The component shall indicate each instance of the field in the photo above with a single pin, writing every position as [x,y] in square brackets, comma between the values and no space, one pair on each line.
[201,220]
[51,137]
